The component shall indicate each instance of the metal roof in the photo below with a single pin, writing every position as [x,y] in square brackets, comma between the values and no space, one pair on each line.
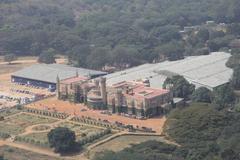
[207,70]
[49,72]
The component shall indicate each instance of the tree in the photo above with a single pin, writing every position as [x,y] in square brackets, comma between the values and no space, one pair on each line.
[124,55]
[203,35]
[98,57]
[180,86]
[223,96]
[202,94]
[229,154]
[233,61]
[235,81]
[46,57]
[173,50]
[9,58]
[62,139]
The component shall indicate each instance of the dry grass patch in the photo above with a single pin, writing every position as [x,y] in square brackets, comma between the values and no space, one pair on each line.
[12,153]
[123,142]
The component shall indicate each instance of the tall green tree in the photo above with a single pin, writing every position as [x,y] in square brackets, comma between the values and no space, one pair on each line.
[179,86]
[235,81]
[47,57]
[223,96]
[202,94]
[9,58]
[62,139]
[203,35]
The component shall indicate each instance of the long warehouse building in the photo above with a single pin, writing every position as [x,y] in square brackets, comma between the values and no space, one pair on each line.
[45,75]
[208,71]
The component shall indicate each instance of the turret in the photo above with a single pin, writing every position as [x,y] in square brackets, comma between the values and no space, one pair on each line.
[118,98]
[103,90]
[77,75]
[58,87]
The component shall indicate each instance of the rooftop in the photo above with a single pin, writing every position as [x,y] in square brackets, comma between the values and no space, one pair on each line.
[207,70]
[49,72]
[139,90]
[74,80]
[147,92]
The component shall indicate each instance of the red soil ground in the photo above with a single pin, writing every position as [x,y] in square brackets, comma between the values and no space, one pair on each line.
[63,106]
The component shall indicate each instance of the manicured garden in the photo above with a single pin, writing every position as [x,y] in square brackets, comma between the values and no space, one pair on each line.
[81,130]
[16,124]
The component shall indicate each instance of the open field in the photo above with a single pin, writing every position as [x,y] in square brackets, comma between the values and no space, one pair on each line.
[12,153]
[63,106]
[122,142]
[5,68]
[16,65]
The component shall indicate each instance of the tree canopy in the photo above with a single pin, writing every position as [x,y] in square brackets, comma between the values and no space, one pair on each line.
[179,86]
[9,58]
[202,94]
[62,139]
[46,57]
[204,132]
[142,31]
[235,81]
[223,96]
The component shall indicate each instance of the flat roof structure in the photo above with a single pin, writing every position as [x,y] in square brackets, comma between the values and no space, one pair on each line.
[74,80]
[49,72]
[207,70]
[139,90]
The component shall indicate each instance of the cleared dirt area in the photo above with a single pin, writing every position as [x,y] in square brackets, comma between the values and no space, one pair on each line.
[54,104]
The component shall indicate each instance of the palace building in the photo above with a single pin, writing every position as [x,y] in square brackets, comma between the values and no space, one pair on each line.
[132,98]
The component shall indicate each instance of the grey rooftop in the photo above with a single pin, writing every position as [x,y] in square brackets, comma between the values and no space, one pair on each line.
[49,72]
[207,70]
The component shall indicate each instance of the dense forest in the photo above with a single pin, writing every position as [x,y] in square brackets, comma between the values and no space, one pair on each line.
[93,33]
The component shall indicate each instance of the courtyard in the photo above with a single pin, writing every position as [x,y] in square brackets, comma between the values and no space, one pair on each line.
[53,104]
